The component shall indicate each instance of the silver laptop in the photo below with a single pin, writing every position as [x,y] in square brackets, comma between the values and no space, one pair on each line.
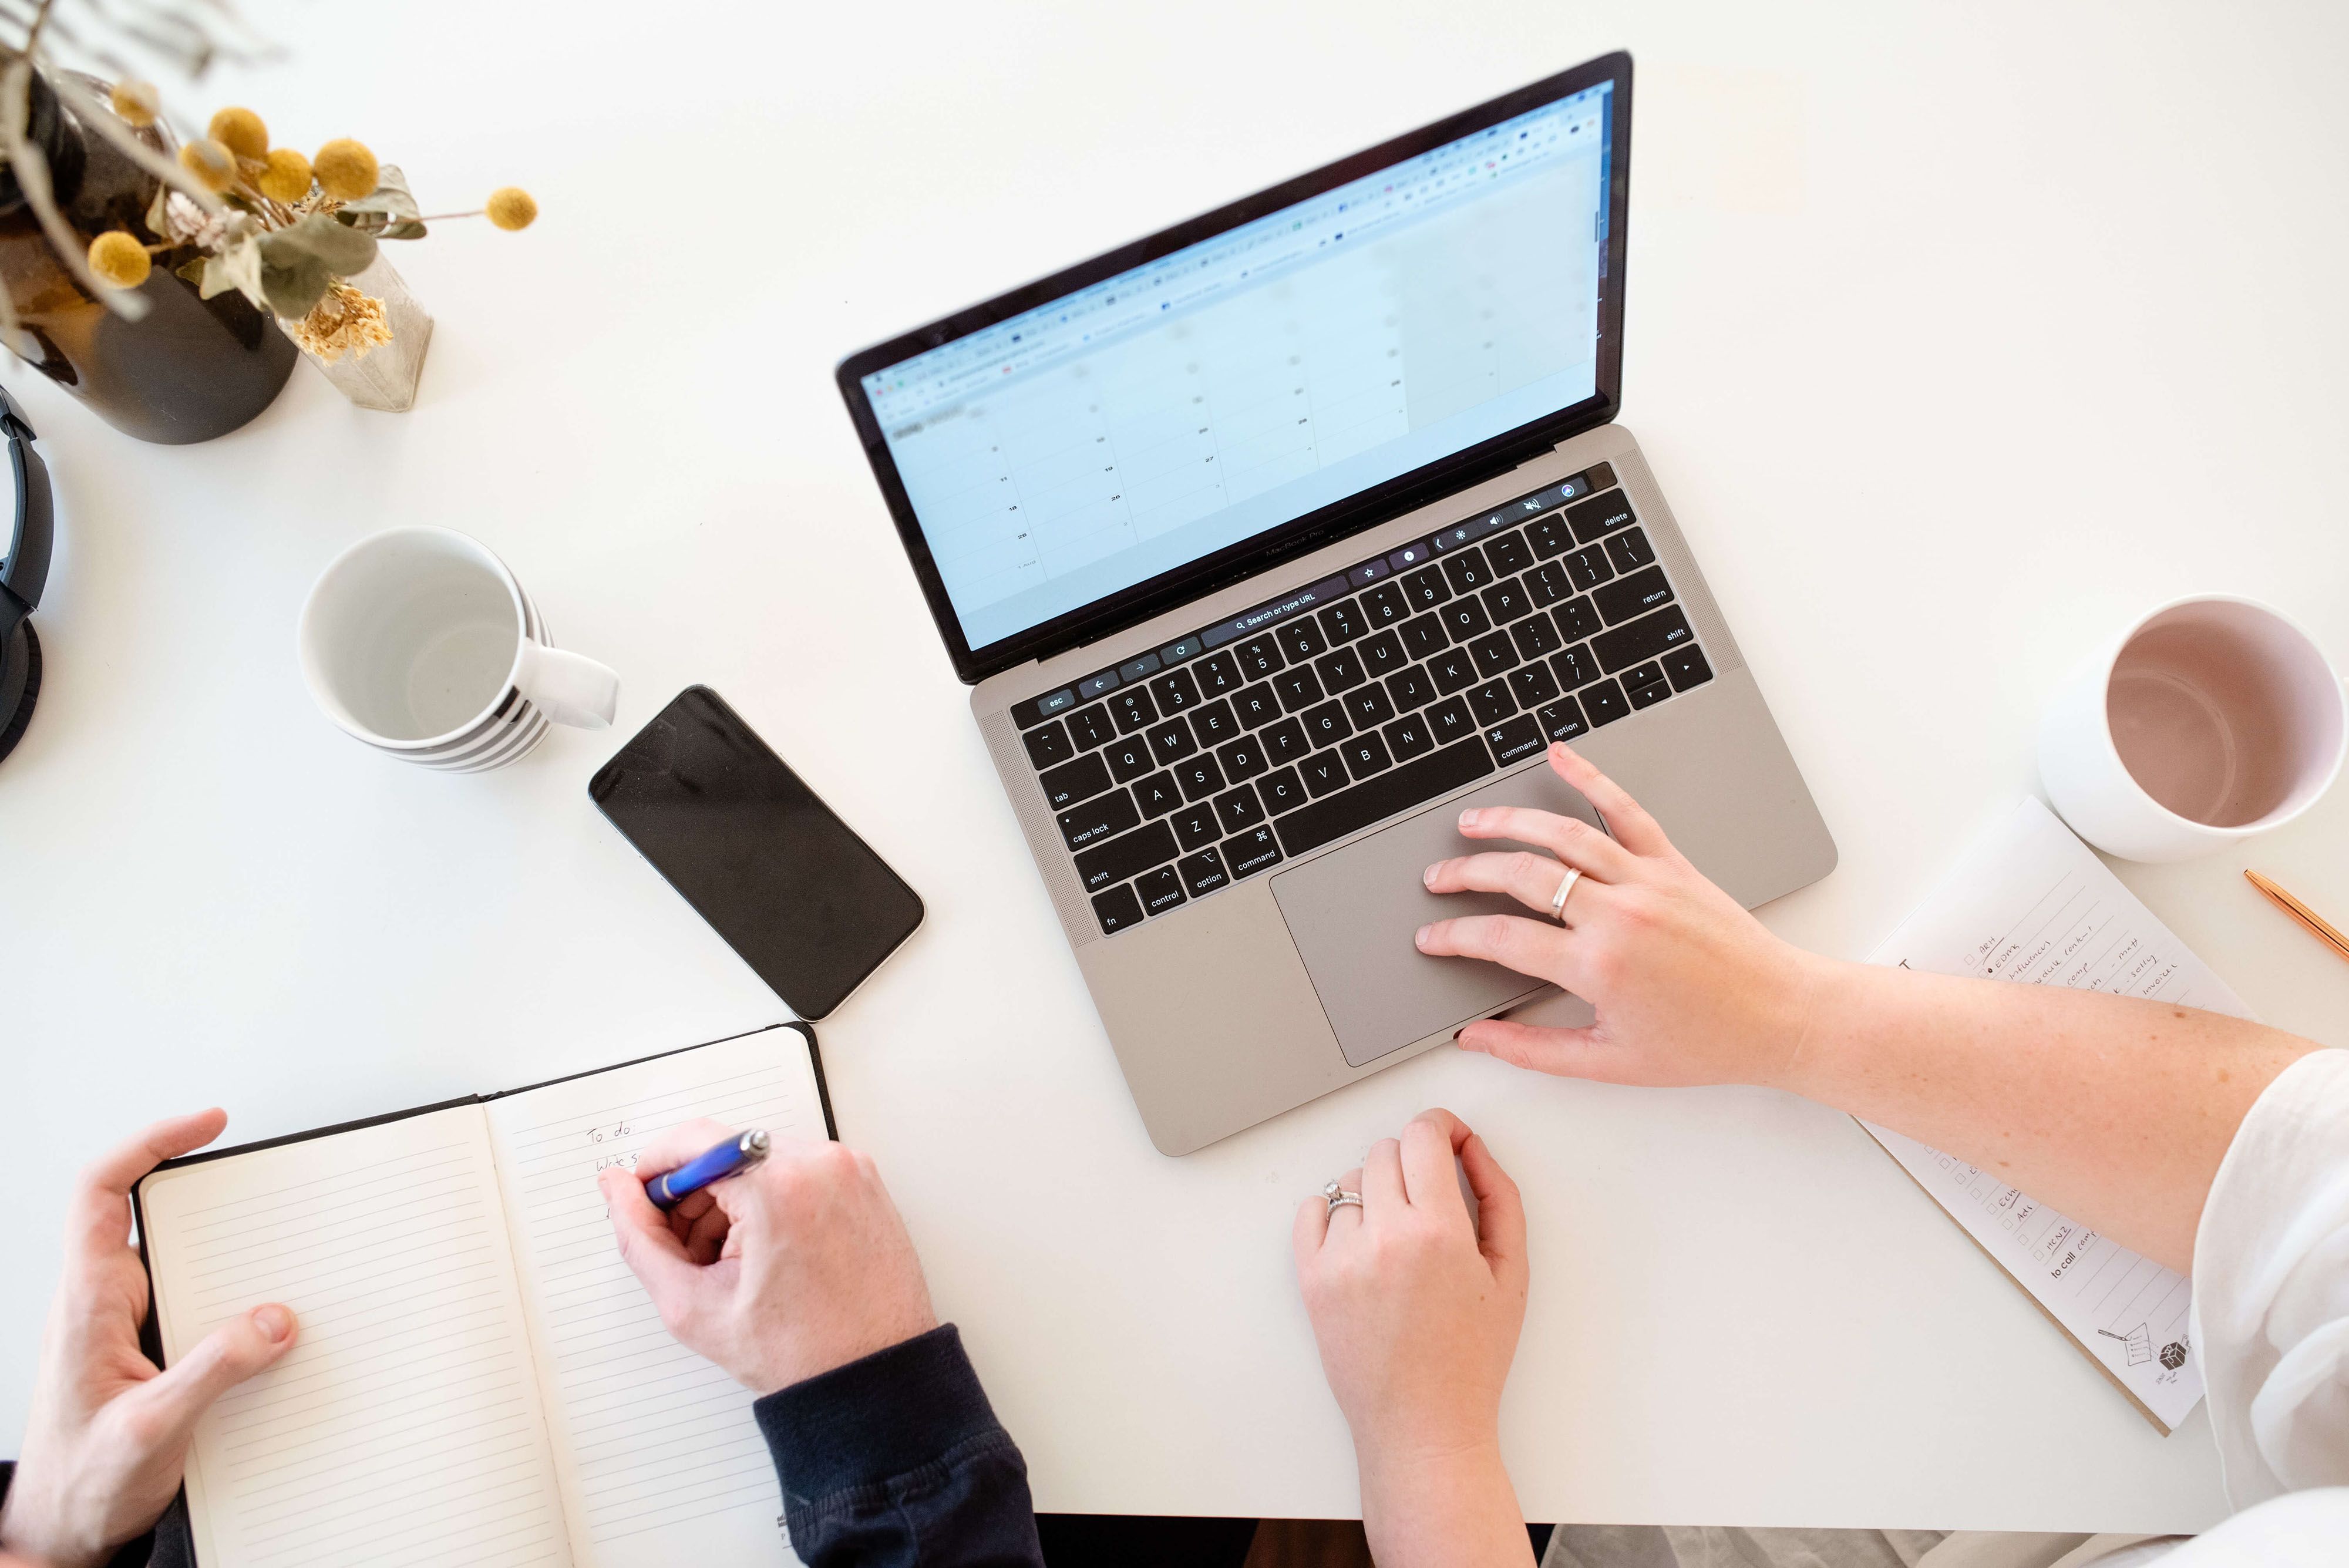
[1269,542]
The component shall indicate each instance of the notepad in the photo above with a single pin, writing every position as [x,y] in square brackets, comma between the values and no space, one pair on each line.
[480,1381]
[2029,902]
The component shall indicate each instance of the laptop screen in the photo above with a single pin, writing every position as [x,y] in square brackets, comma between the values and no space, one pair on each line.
[1124,429]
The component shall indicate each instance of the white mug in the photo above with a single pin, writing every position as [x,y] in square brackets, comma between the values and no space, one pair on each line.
[419,642]
[2211,719]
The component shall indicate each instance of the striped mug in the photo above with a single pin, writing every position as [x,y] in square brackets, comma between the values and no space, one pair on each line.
[419,642]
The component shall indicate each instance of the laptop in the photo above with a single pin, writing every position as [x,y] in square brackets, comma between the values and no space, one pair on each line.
[1270,543]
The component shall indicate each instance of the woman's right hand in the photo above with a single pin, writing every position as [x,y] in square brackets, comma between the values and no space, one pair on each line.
[1688,987]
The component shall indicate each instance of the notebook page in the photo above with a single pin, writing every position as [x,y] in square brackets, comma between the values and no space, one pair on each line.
[2029,902]
[662,1461]
[405,1425]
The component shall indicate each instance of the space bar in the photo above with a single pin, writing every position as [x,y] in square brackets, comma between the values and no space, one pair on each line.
[1398,789]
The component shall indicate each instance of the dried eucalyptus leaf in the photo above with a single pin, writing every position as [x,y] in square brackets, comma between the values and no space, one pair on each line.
[318,238]
[403,230]
[239,267]
[193,270]
[155,212]
[292,289]
[390,199]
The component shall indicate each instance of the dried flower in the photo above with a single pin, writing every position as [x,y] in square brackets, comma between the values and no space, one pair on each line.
[213,165]
[119,258]
[346,170]
[240,131]
[138,103]
[511,208]
[344,321]
[286,177]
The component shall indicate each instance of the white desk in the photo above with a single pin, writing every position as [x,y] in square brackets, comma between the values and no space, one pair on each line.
[1956,335]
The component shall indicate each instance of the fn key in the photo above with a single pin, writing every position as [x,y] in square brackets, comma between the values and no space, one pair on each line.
[1117,909]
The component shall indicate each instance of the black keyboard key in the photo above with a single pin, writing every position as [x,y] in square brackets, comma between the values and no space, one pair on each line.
[1047,746]
[1397,789]
[1603,702]
[1532,686]
[1239,808]
[1342,622]
[1366,754]
[1299,689]
[1035,711]
[1243,759]
[1410,737]
[1072,782]
[1410,689]
[1282,790]
[1642,638]
[1116,910]
[1257,705]
[1253,851]
[1161,890]
[1645,684]
[1196,826]
[1091,727]
[1199,777]
[1494,652]
[1506,600]
[1257,658]
[1453,671]
[1515,741]
[1535,637]
[1449,722]
[1366,706]
[1324,772]
[1175,690]
[1562,719]
[1546,584]
[1636,595]
[1171,742]
[1549,535]
[1386,605]
[1097,820]
[1122,859]
[1213,722]
[1158,794]
[1491,702]
[1218,675]
[1686,665]
[1587,568]
[1382,655]
[1426,589]
[1464,618]
[1600,514]
[1129,759]
[1631,551]
[1285,742]
[1576,618]
[1341,671]
[1131,708]
[1424,635]
[1574,668]
[1201,873]
[1325,725]
[1466,570]
[1509,553]
[1299,638]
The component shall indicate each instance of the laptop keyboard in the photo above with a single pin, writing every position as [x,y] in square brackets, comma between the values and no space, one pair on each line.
[1349,700]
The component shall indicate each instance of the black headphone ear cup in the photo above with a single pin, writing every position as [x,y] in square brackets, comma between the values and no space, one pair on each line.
[23,652]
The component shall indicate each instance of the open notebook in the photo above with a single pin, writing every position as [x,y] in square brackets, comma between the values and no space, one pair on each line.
[480,1381]
[2031,903]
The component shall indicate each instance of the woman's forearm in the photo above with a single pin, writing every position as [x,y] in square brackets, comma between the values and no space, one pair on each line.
[1455,1510]
[2114,1110]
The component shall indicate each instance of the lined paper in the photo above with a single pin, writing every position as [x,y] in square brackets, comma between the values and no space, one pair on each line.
[405,1423]
[2031,903]
[664,1462]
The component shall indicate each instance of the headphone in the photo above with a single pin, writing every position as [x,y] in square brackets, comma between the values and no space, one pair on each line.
[24,572]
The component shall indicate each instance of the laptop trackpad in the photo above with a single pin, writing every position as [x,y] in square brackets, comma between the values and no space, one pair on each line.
[1352,915]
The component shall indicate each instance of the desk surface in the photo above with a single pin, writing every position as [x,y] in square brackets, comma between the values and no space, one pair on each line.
[1956,337]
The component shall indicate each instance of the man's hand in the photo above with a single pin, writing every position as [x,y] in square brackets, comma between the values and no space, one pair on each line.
[109,1433]
[791,1269]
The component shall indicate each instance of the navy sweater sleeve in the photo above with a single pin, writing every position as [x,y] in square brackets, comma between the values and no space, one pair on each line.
[897,1461]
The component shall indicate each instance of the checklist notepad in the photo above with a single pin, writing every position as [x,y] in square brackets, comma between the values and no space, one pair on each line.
[2031,903]
[479,1379]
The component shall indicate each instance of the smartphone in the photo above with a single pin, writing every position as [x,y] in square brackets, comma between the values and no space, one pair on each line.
[804,902]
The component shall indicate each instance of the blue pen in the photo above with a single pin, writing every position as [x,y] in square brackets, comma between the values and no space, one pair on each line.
[732,1158]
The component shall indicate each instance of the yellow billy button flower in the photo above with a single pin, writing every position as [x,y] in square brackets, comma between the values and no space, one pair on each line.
[119,258]
[287,176]
[510,207]
[346,170]
[240,131]
[213,166]
[136,102]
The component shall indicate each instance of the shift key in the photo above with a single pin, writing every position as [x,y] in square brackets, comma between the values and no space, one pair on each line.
[1646,638]
[1103,864]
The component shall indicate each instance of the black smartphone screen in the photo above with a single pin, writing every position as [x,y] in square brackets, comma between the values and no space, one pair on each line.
[805,902]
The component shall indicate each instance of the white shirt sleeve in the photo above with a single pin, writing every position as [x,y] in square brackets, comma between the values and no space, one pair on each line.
[2271,1291]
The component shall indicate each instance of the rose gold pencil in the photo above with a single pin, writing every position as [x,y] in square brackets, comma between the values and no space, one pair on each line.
[2317,925]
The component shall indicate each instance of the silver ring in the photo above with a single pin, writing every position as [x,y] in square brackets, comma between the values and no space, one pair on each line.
[1338,1197]
[1564,885]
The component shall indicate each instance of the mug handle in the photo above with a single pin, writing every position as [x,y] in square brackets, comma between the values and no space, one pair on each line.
[569,687]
